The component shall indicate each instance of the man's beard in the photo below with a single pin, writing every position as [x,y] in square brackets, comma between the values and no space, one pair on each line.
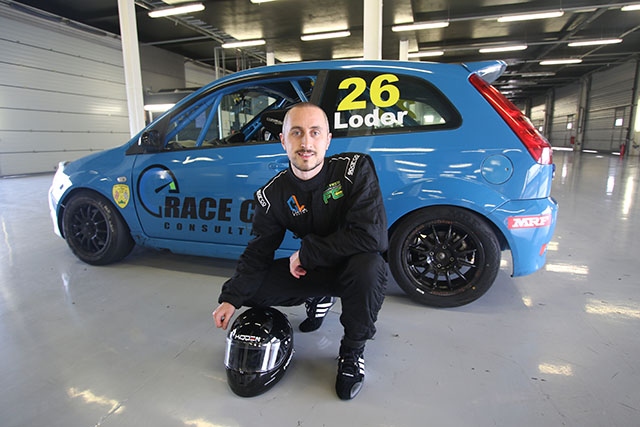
[302,165]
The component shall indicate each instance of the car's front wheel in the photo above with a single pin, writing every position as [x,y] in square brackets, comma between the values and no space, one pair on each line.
[94,230]
[444,256]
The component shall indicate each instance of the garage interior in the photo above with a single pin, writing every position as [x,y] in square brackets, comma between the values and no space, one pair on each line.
[134,344]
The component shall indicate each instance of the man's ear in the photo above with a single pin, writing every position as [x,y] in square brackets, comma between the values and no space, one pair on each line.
[282,141]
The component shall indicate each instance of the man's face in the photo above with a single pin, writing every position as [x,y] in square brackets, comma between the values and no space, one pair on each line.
[305,137]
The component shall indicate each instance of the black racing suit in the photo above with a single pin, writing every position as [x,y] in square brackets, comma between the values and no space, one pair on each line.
[339,217]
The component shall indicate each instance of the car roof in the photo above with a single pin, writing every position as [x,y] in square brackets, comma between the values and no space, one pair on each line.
[488,70]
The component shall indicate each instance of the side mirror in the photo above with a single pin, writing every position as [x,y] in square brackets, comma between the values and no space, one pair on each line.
[150,141]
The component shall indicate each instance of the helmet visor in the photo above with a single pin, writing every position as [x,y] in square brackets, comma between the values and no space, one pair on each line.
[251,358]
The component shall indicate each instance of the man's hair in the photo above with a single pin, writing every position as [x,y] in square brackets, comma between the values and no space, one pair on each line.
[306,105]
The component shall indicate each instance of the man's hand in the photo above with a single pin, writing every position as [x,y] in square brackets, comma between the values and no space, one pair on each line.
[295,267]
[223,314]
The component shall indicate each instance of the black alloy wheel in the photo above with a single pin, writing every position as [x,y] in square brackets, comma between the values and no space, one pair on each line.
[444,256]
[94,230]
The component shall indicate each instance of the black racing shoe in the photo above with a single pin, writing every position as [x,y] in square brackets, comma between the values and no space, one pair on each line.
[350,372]
[317,309]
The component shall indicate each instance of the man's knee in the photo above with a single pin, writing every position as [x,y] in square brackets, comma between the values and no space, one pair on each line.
[368,269]
[369,263]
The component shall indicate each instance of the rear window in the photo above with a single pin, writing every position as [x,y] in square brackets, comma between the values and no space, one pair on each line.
[369,103]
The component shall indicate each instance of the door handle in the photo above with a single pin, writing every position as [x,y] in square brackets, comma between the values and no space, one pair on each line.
[279,165]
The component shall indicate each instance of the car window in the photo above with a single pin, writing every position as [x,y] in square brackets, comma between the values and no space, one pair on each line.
[366,103]
[236,114]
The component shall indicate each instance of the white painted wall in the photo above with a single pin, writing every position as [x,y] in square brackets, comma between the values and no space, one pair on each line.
[197,75]
[62,90]
[62,93]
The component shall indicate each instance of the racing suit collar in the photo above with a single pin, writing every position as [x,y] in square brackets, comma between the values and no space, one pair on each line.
[313,183]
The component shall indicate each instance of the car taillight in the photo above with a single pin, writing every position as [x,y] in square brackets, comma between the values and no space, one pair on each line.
[536,144]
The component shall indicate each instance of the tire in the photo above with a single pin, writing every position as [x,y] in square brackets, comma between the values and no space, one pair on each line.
[444,256]
[94,230]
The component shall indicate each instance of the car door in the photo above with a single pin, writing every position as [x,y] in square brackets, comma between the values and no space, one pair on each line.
[213,154]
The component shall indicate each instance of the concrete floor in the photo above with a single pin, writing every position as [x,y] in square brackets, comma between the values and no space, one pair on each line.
[133,344]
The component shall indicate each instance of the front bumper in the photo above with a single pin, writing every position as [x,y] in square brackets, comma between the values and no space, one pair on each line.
[59,187]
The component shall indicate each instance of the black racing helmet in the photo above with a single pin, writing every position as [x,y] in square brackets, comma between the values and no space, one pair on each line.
[259,349]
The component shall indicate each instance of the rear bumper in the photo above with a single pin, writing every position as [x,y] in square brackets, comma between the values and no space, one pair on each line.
[528,226]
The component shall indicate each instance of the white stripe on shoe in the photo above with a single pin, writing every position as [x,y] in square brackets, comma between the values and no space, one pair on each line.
[322,309]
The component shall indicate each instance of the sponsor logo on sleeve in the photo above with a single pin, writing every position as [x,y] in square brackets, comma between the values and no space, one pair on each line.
[352,165]
[260,197]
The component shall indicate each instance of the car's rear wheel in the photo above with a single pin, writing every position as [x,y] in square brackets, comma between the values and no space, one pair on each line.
[94,230]
[444,256]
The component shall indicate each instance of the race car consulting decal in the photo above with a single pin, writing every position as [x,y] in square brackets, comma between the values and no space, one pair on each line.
[161,197]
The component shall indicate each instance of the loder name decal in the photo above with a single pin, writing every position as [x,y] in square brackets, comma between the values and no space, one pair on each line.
[373,119]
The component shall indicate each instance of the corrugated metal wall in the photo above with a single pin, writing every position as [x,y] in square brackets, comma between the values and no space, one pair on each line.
[62,93]
[608,97]
[161,69]
[198,75]
[565,115]
[609,108]
[538,115]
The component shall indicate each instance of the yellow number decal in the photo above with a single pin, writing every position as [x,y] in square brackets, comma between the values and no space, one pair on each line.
[349,102]
[381,85]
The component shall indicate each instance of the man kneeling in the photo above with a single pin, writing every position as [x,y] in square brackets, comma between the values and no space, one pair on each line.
[334,205]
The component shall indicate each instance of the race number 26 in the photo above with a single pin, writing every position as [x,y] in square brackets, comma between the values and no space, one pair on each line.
[382,92]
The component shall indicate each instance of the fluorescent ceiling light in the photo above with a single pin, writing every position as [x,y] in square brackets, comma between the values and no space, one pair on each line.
[594,42]
[158,108]
[560,61]
[503,48]
[355,58]
[426,54]
[530,16]
[261,1]
[521,82]
[245,43]
[177,10]
[538,74]
[323,36]
[419,26]
[631,7]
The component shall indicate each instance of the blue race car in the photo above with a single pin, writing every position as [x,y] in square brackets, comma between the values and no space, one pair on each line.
[463,172]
